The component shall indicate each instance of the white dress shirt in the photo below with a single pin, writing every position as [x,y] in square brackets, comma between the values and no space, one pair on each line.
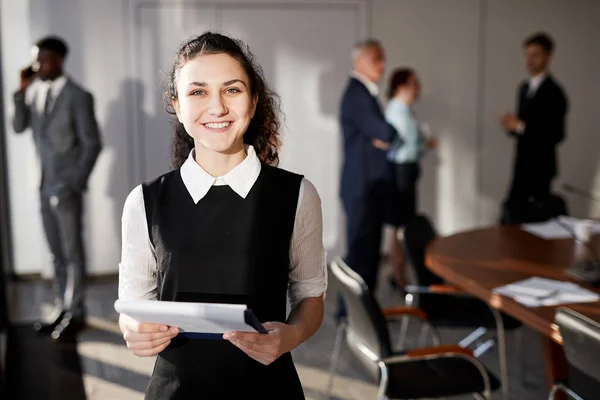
[38,90]
[371,86]
[535,82]
[308,273]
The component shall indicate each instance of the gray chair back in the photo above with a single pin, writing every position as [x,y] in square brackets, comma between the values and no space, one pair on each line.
[368,336]
[581,343]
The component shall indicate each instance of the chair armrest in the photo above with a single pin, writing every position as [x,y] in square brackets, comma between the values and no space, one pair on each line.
[437,289]
[446,351]
[446,289]
[431,353]
[417,289]
[404,311]
[439,350]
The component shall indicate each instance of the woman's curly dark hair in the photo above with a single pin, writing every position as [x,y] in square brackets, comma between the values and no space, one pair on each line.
[263,131]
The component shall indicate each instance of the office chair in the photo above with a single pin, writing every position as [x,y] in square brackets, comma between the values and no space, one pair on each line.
[423,373]
[581,343]
[449,307]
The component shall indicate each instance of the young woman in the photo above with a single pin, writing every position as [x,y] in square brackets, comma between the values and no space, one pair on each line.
[225,226]
[404,91]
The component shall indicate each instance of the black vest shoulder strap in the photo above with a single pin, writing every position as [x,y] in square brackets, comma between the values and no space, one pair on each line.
[153,192]
[279,195]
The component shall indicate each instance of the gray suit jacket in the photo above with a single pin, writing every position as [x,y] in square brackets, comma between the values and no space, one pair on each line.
[67,141]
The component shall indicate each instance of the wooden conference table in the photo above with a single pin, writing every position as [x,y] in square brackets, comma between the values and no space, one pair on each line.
[480,260]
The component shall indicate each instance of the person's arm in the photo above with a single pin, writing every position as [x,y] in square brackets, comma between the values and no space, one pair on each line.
[307,285]
[137,279]
[549,125]
[21,119]
[308,272]
[513,126]
[370,120]
[407,129]
[558,117]
[86,128]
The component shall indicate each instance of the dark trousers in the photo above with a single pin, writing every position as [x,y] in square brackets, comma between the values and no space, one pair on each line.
[525,185]
[61,217]
[364,224]
[403,201]
[527,199]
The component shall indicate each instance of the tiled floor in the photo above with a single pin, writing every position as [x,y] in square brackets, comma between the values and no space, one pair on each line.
[108,371]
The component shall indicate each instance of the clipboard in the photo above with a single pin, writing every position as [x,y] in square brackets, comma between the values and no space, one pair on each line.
[194,320]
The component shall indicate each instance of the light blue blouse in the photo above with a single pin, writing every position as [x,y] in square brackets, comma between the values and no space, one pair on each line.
[401,117]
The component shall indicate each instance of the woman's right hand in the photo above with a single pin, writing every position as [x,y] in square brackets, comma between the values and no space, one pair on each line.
[146,339]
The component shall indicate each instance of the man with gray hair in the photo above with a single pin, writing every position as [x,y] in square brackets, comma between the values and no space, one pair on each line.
[366,173]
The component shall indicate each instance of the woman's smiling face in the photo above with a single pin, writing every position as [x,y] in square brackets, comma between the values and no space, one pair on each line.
[214,102]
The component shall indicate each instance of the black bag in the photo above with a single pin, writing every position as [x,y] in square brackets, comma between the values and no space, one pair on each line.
[533,210]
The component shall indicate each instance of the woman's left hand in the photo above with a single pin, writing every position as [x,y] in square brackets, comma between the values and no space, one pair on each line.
[266,348]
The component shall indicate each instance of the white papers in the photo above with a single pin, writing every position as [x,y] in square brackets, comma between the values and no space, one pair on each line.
[537,292]
[188,317]
[561,227]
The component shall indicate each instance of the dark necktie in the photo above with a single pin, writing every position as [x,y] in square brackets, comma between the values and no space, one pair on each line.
[48,103]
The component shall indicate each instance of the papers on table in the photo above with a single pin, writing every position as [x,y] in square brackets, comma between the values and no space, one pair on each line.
[561,227]
[537,292]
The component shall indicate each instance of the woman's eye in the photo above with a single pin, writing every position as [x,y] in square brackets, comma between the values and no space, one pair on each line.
[197,92]
[233,90]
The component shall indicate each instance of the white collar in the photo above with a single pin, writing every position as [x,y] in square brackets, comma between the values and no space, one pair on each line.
[40,86]
[56,85]
[371,86]
[536,81]
[240,179]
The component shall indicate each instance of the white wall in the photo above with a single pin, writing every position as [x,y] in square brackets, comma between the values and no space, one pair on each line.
[467,52]
[26,237]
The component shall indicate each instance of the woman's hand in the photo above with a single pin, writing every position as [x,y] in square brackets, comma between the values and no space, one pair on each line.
[266,348]
[146,339]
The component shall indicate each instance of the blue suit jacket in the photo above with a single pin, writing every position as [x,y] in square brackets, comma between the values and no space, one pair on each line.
[362,121]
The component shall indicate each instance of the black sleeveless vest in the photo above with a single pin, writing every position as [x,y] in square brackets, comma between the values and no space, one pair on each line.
[224,249]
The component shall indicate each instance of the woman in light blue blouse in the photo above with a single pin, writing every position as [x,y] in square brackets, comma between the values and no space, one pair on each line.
[405,154]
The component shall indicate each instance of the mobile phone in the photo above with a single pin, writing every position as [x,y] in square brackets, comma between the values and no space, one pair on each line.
[29,72]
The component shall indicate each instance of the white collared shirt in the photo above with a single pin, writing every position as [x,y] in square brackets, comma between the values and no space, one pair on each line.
[371,86]
[308,273]
[535,82]
[38,90]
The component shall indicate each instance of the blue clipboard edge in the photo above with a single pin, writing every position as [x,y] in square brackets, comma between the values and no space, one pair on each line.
[251,320]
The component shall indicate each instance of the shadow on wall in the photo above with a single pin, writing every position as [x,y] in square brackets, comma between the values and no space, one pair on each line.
[120,109]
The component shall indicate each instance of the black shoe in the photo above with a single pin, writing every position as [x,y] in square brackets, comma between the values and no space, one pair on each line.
[47,327]
[68,328]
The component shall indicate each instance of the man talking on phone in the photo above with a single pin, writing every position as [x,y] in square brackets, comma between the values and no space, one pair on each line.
[61,116]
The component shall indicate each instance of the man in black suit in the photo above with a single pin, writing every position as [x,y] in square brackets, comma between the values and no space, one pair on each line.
[366,173]
[538,128]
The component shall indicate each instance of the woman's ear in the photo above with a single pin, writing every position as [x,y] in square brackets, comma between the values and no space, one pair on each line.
[254,104]
[176,107]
